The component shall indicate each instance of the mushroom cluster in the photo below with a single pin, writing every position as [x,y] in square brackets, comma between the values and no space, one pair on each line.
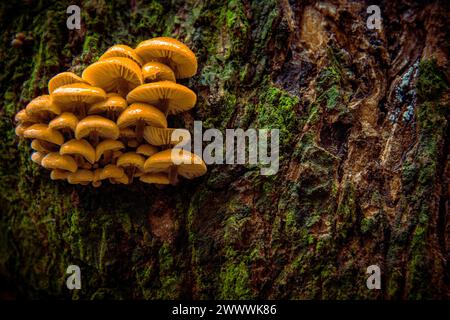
[111,123]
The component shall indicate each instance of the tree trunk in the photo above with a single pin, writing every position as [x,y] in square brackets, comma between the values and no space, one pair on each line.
[364,170]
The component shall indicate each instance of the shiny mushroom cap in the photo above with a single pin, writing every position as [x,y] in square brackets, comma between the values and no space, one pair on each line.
[62,79]
[122,51]
[23,118]
[114,104]
[107,145]
[114,75]
[171,52]
[42,132]
[131,159]
[156,71]
[82,176]
[111,171]
[189,165]
[156,178]
[142,112]
[105,128]
[177,97]
[73,96]
[79,147]
[54,160]
[58,174]
[147,150]
[66,120]
[165,136]
[37,157]
[42,107]
[42,147]
[20,129]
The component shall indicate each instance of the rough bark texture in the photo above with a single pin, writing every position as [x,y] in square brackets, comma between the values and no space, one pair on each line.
[364,169]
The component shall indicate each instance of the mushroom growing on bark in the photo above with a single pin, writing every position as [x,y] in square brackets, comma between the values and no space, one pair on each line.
[66,123]
[62,79]
[112,172]
[163,136]
[58,174]
[106,149]
[132,163]
[42,108]
[95,127]
[147,150]
[54,160]
[112,107]
[37,157]
[155,178]
[48,138]
[80,150]
[82,176]
[121,51]
[156,71]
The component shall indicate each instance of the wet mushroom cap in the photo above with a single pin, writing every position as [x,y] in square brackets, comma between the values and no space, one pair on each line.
[169,51]
[66,120]
[131,159]
[151,115]
[23,118]
[58,174]
[123,51]
[109,74]
[20,129]
[54,160]
[163,136]
[107,145]
[37,145]
[79,147]
[75,94]
[41,107]
[41,131]
[111,171]
[104,127]
[156,178]
[189,164]
[156,71]
[62,79]
[113,102]
[147,150]
[178,97]
[81,176]
[37,157]
[123,180]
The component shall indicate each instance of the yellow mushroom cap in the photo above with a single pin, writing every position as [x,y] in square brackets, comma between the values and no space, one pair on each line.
[111,171]
[58,174]
[157,71]
[63,79]
[71,96]
[38,146]
[178,97]
[41,131]
[123,51]
[37,157]
[64,121]
[163,136]
[127,133]
[107,145]
[104,127]
[133,143]
[123,180]
[20,129]
[23,118]
[189,164]
[42,107]
[157,178]
[81,176]
[112,74]
[171,52]
[54,160]
[131,159]
[80,147]
[142,112]
[113,102]
[96,181]
[147,150]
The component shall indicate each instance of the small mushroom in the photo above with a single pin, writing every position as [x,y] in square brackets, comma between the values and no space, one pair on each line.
[122,180]
[41,147]
[112,172]
[23,118]
[163,136]
[95,127]
[66,123]
[170,52]
[139,115]
[62,79]
[155,178]
[79,149]
[133,143]
[123,51]
[169,97]
[76,97]
[16,43]
[178,162]
[132,163]
[48,138]
[54,160]
[106,149]
[114,75]
[37,157]
[20,129]
[58,174]
[81,176]
[147,150]
[156,71]
[42,108]
[112,106]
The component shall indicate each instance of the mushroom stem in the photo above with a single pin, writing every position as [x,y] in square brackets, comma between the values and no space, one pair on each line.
[122,88]
[164,105]
[94,138]
[130,171]
[139,130]
[83,111]
[173,175]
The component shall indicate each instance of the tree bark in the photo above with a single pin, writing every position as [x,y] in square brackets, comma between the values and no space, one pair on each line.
[364,169]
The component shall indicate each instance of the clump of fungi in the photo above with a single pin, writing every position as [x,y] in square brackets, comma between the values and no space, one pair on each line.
[111,123]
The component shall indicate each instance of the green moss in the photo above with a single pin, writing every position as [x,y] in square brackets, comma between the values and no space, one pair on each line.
[431,82]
